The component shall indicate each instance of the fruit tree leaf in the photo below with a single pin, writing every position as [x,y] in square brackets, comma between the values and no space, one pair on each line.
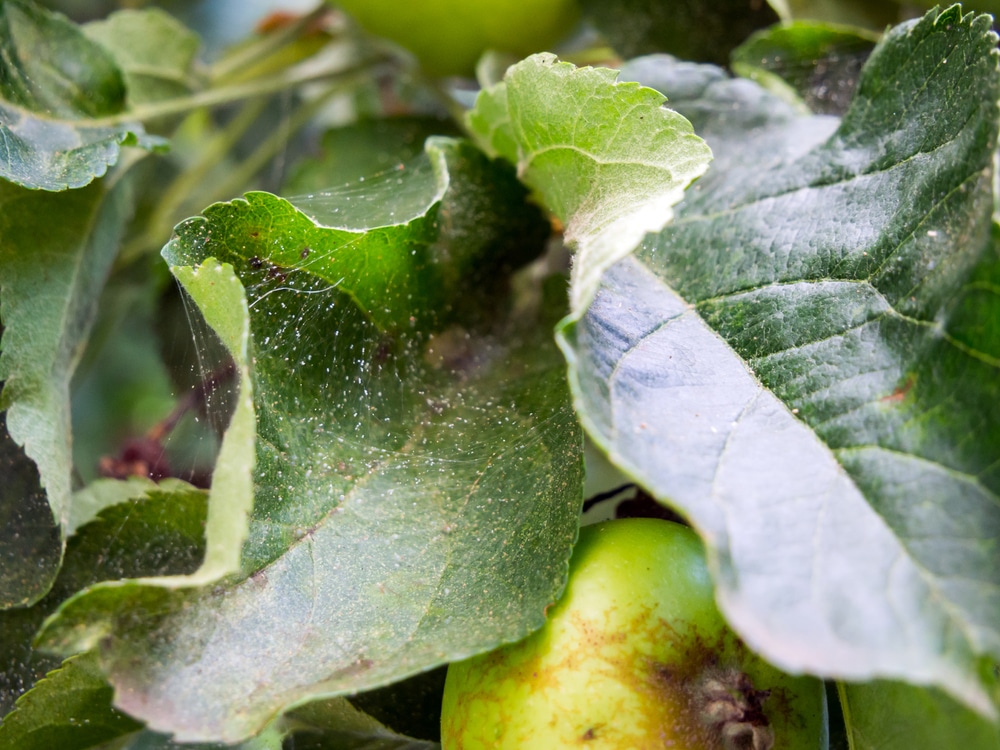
[160,532]
[416,490]
[55,86]
[31,542]
[231,498]
[362,149]
[818,62]
[894,716]
[70,708]
[153,50]
[606,158]
[55,255]
[805,363]
[690,29]
[335,723]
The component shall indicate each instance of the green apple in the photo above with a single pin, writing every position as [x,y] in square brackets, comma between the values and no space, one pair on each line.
[448,36]
[634,655]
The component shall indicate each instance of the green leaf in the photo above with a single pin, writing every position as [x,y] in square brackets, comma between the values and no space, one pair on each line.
[336,724]
[690,29]
[103,493]
[54,82]
[154,52]
[160,533]
[416,492]
[895,716]
[54,259]
[31,543]
[870,14]
[362,150]
[224,307]
[606,158]
[805,363]
[815,61]
[70,708]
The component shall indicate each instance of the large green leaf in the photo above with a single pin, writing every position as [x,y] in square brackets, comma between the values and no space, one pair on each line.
[55,85]
[805,363]
[417,484]
[55,255]
[606,158]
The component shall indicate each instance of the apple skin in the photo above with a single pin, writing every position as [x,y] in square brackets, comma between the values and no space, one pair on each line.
[448,36]
[634,655]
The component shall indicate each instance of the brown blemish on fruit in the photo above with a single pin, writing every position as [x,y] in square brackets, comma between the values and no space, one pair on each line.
[590,734]
[728,702]
[714,704]
[699,697]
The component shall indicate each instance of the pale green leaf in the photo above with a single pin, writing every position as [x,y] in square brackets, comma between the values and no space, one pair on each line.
[608,159]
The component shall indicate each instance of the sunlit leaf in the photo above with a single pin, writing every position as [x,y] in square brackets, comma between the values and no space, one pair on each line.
[606,158]
[363,149]
[806,364]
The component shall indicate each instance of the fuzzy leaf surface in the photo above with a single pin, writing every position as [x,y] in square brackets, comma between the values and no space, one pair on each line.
[806,364]
[55,85]
[417,482]
[606,158]
[54,259]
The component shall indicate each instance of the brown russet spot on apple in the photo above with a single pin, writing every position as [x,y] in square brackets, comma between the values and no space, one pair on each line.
[633,656]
